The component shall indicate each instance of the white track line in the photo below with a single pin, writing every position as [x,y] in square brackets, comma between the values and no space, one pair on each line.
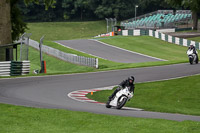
[79,50]
[128,50]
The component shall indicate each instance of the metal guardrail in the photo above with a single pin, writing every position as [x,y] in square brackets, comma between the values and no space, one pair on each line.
[72,58]
[14,68]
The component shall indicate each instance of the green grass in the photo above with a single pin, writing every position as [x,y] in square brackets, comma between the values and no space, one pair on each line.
[143,44]
[173,96]
[153,47]
[16,119]
[197,39]
[184,31]
[150,46]
[66,30]
[76,30]
[54,65]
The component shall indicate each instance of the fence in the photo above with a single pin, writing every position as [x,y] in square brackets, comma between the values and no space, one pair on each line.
[172,39]
[24,46]
[158,34]
[81,60]
[133,32]
[14,68]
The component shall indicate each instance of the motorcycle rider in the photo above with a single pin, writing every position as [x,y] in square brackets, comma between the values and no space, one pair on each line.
[126,83]
[192,47]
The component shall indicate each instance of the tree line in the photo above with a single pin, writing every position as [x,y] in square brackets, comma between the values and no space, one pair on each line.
[15,12]
[83,10]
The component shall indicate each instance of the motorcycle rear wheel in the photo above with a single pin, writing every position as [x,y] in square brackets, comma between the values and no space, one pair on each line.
[108,104]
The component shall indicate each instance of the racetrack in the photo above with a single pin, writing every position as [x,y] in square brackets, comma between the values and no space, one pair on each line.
[52,91]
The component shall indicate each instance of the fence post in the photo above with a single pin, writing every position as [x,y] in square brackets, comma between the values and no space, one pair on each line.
[41,59]
[23,38]
[97,63]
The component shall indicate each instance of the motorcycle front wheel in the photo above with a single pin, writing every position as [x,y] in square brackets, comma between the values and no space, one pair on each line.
[191,60]
[197,60]
[121,103]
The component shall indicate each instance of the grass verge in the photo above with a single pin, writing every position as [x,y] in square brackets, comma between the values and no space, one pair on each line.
[54,65]
[197,39]
[16,119]
[172,96]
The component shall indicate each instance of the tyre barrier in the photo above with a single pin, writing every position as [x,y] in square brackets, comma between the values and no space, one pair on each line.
[14,68]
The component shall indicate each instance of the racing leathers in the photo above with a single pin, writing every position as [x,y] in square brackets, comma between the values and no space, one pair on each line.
[123,84]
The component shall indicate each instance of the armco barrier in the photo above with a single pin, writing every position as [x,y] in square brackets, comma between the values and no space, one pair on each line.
[14,68]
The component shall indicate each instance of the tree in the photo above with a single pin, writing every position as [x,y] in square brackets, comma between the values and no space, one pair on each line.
[119,9]
[193,5]
[5,18]
[74,9]
[18,25]
[5,22]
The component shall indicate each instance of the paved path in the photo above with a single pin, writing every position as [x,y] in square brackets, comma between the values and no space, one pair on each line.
[106,51]
[52,91]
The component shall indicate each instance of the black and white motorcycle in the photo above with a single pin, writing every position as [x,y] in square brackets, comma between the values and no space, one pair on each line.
[120,98]
[193,58]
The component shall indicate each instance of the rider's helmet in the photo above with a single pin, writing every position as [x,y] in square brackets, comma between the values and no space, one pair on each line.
[131,79]
[191,46]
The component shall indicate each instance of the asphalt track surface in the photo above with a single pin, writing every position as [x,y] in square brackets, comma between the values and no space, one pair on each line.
[52,91]
[107,51]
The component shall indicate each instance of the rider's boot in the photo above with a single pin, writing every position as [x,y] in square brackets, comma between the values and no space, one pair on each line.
[113,95]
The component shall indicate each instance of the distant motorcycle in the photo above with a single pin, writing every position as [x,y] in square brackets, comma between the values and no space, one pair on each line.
[193,58]
[120,98]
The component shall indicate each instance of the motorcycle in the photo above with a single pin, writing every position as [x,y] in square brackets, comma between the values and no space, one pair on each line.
[120,98]
[193,58]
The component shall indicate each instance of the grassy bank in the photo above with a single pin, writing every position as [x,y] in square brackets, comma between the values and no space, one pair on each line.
[173,96]
[16,119]
[66,30]
[150,46]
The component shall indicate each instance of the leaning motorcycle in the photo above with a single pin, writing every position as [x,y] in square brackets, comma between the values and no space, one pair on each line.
[193,58]
[120,98]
